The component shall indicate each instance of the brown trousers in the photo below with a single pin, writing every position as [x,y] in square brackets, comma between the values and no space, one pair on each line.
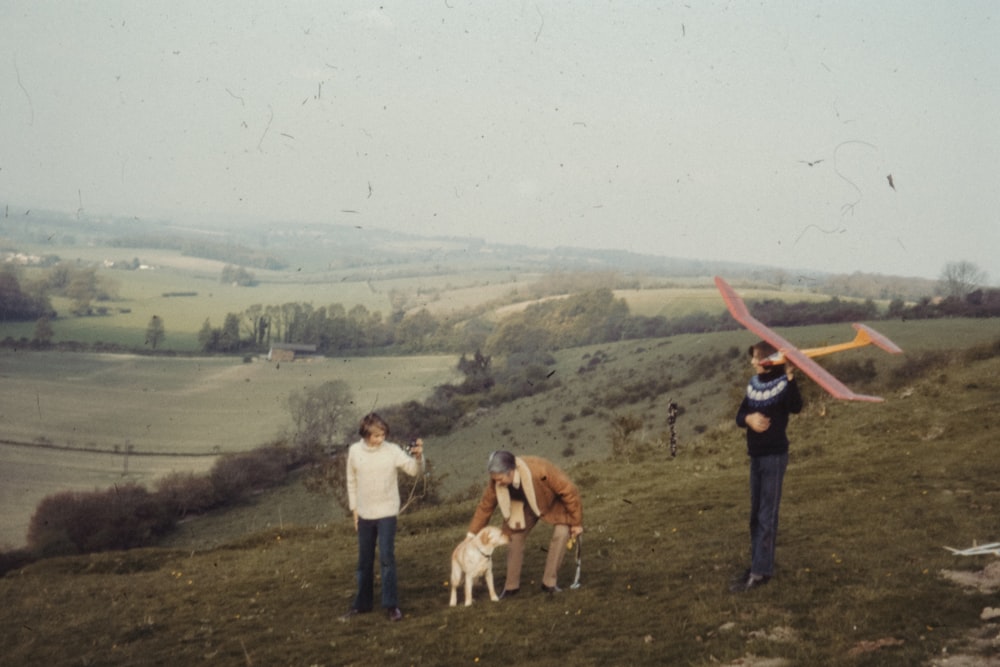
[515,553]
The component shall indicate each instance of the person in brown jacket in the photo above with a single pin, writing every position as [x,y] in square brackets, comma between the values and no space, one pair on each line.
[527,489]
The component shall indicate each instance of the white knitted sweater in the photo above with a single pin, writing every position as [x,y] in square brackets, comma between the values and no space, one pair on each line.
[372,486]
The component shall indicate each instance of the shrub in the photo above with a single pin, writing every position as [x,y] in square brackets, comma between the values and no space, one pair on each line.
[420,491]
[121,517]
[235,476]
[623,427]
[15,560]
[329,477]
[852,371]
[917,366]
[982,352]
[183,493]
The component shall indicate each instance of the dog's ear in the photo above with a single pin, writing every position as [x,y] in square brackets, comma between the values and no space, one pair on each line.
[484,537]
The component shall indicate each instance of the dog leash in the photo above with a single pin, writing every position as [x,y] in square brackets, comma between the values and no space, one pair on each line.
[579,549]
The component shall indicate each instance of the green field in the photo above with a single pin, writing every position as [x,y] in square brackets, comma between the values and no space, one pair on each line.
[184,292]
[173,407]
[141,294]
[680,301]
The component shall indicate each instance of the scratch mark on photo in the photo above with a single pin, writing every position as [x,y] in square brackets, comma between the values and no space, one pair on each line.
[268,127]
[31,105]
[805,229]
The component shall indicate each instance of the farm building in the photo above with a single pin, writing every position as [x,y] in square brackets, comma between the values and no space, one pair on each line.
[290,352]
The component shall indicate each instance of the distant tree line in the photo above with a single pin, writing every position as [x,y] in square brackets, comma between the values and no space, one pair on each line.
[558,320]
[586,318]
[978,303]
[24,301]
[231,253]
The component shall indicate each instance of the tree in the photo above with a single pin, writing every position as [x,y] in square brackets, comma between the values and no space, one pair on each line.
[319,414]
[18,305]
[229,338]
[43,331]
[477,371]
[960,278]
[208,338]
[415,330]
[237,275]
[155,333]
[82,289]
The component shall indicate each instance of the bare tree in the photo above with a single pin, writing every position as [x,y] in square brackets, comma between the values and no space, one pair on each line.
[959,279]
[155,333]
[320,415]
[43,331]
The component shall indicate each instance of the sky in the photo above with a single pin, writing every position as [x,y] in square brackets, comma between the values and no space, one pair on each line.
[762,132]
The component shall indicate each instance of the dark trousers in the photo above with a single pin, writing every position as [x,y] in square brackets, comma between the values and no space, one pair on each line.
[371,531]
[766,476]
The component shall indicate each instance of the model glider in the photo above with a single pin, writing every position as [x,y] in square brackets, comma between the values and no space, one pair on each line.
[981,550]
[802,359]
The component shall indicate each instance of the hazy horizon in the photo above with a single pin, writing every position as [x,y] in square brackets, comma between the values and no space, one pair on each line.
[763,135]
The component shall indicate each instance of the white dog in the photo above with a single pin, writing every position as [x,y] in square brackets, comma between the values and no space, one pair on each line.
[474,558]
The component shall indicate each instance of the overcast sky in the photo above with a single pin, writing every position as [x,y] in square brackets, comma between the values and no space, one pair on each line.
[762,132]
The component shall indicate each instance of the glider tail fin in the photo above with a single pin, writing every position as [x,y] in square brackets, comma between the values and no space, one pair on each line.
[870,336]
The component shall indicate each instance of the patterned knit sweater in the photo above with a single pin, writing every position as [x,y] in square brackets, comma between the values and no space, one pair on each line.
[776,397]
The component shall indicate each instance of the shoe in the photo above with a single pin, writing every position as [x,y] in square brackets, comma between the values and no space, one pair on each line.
[351,613]
[741,577]
[395,614]
[750,582]
[508,593]
[551,589]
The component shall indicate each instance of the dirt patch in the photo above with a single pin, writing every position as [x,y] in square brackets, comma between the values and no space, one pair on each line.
[986,580]
[984,641]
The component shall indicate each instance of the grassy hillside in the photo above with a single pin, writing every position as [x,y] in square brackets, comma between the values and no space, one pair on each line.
[872,494]
[176,414]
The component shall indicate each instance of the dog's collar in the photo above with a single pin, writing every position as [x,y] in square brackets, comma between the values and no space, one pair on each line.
[483,553]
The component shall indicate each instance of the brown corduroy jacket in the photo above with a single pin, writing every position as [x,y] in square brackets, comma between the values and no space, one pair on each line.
[550,493]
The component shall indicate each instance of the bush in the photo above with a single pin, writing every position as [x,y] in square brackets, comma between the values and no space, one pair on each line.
[120,517]
[15,560]
[918,366]
[235,476]
[183,493]
[982,352]
[852,371]
[623,429]
[329,477]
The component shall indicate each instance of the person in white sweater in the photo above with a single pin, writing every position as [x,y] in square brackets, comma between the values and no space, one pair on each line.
[373,494]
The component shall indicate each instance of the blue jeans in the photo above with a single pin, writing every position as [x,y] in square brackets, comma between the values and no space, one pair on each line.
[766,476]
[384,532]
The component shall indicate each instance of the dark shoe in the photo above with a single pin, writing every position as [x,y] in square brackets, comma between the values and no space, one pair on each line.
[752,581]
[395,614]
[551,589]
[506,594]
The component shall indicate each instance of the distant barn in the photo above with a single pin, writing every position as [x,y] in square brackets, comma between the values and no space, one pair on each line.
[290,352]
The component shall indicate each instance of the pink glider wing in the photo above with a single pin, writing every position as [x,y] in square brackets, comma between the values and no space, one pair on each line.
[821,376]
[878,339]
